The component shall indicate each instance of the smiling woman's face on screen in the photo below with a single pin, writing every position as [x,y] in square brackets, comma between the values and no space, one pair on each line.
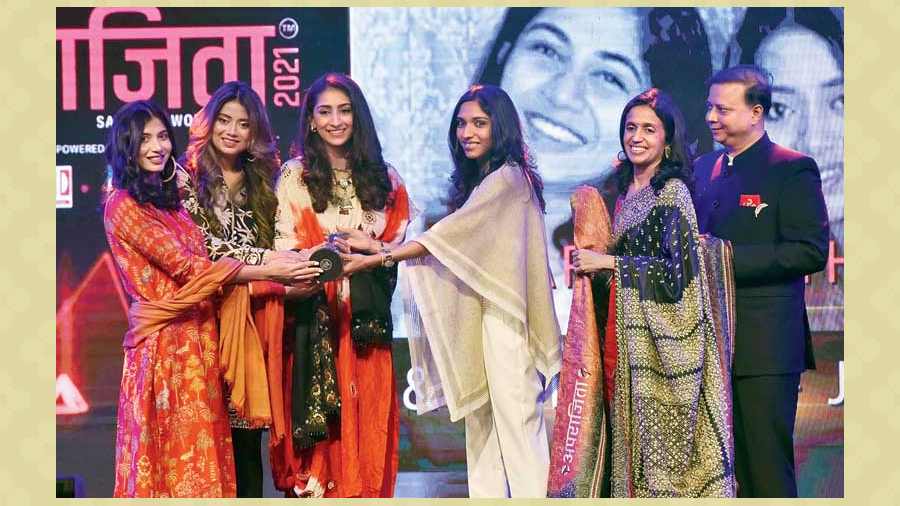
[807,111]
[570,74]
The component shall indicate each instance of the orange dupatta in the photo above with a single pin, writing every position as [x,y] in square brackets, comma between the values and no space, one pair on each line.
[242,347]
[250,353]
[150,316]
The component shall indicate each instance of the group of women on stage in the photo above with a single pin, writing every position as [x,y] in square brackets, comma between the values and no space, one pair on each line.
[215,260]
[232,332]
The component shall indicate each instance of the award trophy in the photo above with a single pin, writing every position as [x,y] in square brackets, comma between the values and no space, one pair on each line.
[329,259]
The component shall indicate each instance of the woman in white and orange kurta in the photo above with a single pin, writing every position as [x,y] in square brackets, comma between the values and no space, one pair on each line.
[340,182]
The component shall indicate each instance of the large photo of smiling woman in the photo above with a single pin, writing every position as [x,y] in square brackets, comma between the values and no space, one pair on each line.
[571,71]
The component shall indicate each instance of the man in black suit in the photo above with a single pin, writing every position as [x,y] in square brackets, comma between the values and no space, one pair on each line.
[767,200]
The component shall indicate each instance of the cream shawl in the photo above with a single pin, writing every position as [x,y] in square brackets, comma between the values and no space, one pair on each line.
[491,249]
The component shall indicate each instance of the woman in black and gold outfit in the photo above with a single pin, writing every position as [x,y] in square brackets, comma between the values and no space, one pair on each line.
[230,164]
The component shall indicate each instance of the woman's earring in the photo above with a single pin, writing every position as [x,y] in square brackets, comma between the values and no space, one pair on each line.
[312,128]
[667,153]
[621,156]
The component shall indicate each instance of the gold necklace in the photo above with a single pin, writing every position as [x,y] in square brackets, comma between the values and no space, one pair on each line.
[343,194]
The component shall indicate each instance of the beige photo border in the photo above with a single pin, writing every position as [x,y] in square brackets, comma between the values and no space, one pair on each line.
[27,81]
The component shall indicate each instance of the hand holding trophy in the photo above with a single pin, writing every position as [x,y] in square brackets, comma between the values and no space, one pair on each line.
[329,257]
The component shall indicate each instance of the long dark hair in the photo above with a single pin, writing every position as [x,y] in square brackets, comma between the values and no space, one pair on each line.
[676,53]
[507,145]
[677,164]
[364,157]
[123,145]
[260,162]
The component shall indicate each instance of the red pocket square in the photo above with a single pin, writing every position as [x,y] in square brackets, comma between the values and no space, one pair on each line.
[750,200]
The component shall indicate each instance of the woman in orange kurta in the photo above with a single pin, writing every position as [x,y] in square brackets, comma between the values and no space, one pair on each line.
[339,182]
[172,434]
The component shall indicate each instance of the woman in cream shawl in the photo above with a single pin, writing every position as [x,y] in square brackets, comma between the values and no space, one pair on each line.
[483,331]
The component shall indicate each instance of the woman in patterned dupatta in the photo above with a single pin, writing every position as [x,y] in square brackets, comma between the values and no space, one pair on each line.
[483,332]
[667,350]
[346,428]
[172,437]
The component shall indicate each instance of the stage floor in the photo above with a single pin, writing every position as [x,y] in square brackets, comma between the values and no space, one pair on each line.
[85,448]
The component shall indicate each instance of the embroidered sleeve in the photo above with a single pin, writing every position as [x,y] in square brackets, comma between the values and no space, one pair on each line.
[218,248]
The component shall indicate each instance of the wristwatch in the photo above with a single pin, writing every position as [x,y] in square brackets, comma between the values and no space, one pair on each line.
[387,260]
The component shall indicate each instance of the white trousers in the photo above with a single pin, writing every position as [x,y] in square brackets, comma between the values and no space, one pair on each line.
[507,452]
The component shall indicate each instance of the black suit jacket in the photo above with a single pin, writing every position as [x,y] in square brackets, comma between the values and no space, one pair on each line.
[775,246]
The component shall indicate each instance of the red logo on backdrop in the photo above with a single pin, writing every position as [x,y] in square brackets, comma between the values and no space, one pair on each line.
[64,197]
[146,57]
[750,200]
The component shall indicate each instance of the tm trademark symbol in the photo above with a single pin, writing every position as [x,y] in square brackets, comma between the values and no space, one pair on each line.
[288,28]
